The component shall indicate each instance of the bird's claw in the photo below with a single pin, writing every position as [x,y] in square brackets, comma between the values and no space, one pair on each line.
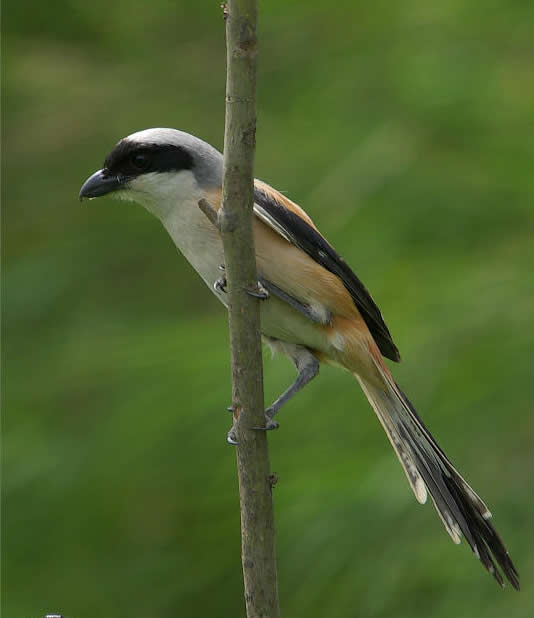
[231,437]
[259,292]
[269,425]
[220,285]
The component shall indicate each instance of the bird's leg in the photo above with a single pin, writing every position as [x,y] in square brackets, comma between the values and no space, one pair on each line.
[307,367]
[306,310]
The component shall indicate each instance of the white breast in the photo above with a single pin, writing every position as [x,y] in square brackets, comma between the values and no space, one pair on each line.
[197,239]
[173,198]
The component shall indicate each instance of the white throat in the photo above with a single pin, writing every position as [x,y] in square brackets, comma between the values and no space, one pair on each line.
[173,198]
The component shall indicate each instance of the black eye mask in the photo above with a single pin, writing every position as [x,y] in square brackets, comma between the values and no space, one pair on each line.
[131,159]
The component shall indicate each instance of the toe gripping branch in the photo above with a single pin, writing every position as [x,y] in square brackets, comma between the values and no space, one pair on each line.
[221,286]
[308,368]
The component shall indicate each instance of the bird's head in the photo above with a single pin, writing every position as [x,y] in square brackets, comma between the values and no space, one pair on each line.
[159,168]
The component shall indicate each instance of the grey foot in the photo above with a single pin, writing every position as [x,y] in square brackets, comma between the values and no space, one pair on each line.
[259,292]
[270,424]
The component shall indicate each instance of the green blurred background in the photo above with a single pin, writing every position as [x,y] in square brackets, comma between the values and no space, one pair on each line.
[406,131]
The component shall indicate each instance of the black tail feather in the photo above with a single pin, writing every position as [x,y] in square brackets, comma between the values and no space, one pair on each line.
[458,505]
[483,538]
[429,470]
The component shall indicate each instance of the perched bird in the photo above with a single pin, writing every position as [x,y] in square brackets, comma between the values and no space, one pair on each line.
[315,308]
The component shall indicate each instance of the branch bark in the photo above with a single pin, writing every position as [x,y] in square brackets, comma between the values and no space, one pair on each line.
[235,221]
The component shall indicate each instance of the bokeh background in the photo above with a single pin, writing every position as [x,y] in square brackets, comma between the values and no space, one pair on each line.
[406,131]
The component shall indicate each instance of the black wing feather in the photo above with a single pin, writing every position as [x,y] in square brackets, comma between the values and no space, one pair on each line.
[306,238]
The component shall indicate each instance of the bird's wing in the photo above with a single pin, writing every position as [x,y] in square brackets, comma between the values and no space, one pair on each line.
[289,221]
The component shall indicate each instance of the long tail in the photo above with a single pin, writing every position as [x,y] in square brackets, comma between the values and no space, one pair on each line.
[428,469]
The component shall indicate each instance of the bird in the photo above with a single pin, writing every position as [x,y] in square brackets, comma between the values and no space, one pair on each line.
[314,309]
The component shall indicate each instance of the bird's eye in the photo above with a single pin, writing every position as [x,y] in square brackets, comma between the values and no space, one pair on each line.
[140,161]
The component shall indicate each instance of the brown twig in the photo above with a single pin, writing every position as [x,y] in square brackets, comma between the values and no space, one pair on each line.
[235,223]
[210,212]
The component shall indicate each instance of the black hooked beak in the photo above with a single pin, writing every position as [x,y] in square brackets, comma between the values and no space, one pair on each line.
[100,183]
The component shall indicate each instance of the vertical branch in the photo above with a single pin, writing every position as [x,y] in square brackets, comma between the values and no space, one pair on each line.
[235,219]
